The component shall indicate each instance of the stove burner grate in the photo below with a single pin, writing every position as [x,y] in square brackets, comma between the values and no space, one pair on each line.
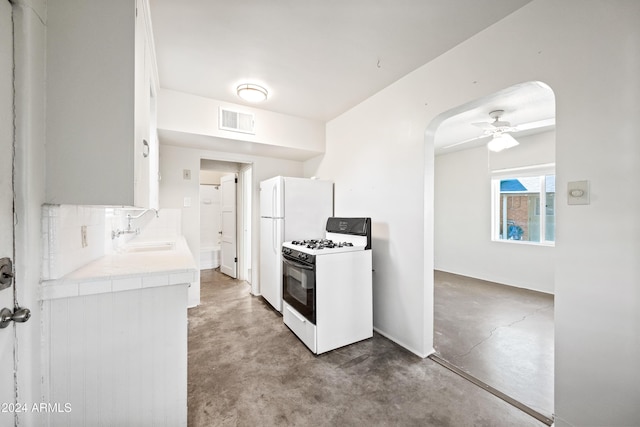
[321,244]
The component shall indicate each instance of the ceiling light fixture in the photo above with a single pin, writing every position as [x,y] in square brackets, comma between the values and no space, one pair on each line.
[252,93]
[501,141]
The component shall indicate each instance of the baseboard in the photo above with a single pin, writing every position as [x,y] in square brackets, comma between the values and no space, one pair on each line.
[497,281]
[403,345]
[205,265]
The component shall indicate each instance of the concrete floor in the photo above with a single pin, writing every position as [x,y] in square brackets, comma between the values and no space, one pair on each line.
[499,334]
[247,369]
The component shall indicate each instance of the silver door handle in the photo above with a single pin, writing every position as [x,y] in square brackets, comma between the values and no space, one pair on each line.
[274,233]
[297,265]
[273,202]
[21,315]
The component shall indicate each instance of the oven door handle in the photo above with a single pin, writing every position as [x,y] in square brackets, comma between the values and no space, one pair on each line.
[297,265]
[298,316]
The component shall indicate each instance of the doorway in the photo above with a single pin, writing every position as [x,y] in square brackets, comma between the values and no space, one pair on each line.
[225,212]
[479,278]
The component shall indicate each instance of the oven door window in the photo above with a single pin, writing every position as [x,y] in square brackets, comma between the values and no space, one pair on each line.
[299,283]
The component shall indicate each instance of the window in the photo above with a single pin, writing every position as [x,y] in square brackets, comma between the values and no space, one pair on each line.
[524,202]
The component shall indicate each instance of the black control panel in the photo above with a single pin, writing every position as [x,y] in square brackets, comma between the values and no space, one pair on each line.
[294,255]
[353,226]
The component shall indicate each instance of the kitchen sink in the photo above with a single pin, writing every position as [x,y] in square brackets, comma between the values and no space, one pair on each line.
[149,247]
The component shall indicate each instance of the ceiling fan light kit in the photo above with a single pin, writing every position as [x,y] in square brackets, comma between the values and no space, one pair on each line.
[501,141]
[251,92]
[500,131]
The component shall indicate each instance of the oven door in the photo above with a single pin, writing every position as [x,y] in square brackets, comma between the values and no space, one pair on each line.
[299,287]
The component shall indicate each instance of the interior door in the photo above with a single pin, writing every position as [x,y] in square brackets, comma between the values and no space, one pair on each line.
[7,334]
[228,256]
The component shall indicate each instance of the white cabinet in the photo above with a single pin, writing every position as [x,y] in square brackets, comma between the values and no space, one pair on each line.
[101,81]
[116,358]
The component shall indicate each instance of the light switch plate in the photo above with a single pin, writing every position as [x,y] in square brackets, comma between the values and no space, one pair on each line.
[187,202]
[83,236]
[578,193]
[186,173]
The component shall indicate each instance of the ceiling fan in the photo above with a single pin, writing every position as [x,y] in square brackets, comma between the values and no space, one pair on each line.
[500,131]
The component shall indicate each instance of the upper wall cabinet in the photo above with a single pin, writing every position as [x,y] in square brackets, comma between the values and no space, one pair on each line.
[101,142]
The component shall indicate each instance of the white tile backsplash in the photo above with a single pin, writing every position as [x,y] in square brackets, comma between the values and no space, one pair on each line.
[166,224]
[62,237]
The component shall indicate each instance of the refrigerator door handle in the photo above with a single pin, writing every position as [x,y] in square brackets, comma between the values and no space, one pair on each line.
[273,201]
[273,235]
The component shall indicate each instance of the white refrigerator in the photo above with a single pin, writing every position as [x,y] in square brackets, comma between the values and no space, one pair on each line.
[290,209]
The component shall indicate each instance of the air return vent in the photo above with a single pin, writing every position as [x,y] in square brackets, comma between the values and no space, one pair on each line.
[236,121]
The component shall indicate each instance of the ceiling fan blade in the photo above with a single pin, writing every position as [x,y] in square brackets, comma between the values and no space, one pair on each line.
[484,125]
[465,141]
[535,125]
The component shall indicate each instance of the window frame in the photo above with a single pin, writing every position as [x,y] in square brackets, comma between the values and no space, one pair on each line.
[541,171]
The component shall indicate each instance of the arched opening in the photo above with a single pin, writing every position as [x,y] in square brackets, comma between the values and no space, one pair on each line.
[493,243]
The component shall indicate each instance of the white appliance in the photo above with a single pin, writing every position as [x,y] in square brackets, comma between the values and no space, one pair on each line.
[289,208]
[327,288]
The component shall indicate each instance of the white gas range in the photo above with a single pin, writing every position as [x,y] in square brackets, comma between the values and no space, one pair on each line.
[327,285]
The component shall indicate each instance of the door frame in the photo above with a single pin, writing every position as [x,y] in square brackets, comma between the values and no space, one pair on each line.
[245,184]
[8,298]
[244,211]
[29,192]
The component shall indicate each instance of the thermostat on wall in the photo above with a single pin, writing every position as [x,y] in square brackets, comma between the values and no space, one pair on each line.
[578,193]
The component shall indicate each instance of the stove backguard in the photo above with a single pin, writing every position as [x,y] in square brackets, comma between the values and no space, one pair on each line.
[350,226]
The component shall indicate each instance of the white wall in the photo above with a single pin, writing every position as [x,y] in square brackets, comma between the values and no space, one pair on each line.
[462,203]
[178,111]
[588,53]
[210,177]
[375,156]
[173,190]
[210,220]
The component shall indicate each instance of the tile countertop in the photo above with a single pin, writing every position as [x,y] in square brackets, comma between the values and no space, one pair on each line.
[139,264]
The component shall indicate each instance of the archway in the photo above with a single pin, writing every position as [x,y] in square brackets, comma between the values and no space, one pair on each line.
[478,260]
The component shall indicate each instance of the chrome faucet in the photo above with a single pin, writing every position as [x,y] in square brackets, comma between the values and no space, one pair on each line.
[118,233]
[130,230]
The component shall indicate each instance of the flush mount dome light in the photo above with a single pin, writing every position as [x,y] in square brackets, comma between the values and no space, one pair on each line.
[252,93]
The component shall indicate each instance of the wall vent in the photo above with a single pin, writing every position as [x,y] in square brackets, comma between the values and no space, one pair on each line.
[236,121]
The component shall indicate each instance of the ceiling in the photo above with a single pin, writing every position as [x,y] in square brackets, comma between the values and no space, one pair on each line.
[317,58]
[526,104]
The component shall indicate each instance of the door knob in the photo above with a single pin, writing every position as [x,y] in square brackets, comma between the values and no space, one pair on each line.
[20,315]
